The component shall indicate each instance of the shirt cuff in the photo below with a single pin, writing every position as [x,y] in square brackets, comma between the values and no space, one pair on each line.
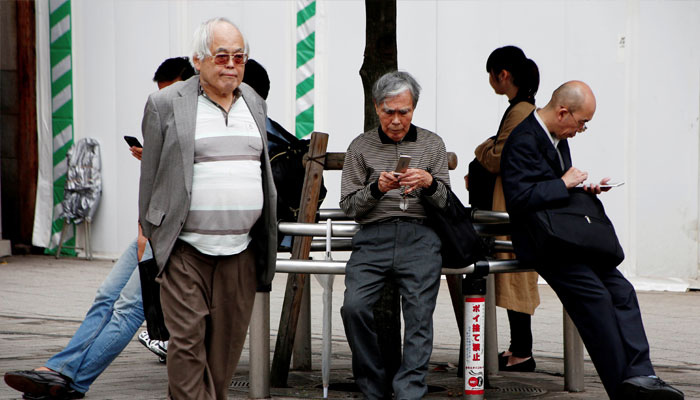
[430,190]
[374,189]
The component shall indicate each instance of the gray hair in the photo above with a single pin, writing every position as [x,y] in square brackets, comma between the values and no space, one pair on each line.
[203,37]
[393,84]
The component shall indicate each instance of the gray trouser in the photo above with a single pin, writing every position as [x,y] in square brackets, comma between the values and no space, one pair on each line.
[408,253]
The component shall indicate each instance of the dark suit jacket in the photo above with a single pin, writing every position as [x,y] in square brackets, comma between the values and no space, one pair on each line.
[168,128]
[531,174]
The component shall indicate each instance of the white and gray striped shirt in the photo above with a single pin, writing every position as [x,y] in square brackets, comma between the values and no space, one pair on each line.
[373,152]
[227,194]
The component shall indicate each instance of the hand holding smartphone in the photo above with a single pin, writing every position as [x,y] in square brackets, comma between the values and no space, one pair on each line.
[402,165]
[132,141]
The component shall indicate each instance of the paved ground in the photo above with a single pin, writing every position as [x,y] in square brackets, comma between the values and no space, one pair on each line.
[43,300]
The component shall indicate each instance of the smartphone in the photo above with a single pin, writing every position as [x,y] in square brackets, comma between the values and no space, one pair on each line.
[607,185]
[612,184]
[132,141]
[402,164]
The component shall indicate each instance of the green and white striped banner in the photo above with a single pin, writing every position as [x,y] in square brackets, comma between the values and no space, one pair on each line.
[306,52]
[62,113]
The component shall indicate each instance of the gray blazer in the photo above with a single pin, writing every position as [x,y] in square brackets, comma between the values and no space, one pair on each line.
[165,188]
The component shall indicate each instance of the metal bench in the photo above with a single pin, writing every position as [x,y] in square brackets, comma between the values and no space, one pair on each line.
[338,238]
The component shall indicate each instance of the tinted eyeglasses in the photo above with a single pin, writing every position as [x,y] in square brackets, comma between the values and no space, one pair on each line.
[223,58]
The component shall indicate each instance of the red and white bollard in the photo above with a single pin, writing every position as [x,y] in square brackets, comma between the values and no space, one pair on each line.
[474,290]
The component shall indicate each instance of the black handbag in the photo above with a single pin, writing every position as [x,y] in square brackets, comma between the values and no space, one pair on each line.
[461,245]
[580,226]
[150,292]
[481,185]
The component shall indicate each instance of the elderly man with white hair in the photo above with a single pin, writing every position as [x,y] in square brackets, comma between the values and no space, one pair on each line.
[393,242]
[207,203]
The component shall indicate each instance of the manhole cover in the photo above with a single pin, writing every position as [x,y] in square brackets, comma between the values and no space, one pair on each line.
[239,384]
[519,388]
[352,387]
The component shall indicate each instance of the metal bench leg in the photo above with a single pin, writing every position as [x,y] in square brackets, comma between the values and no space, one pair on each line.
[491,324]
[259,337]
[573,356]
[60,238]
[88,247]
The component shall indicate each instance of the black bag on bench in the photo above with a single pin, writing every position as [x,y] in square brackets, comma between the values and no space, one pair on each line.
[461,245]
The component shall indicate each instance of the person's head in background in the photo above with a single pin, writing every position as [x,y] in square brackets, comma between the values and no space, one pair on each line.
[170,71]
[513,74]
[256,77]
[173,70]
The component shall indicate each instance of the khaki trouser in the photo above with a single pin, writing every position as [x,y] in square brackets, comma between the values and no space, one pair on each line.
[207,302]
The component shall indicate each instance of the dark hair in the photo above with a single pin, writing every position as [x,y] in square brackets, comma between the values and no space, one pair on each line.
[526,75]
[173,68]
[256,76]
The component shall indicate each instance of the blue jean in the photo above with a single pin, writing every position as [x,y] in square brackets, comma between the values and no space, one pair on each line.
[110,324]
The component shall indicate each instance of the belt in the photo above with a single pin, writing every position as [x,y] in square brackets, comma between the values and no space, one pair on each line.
[393,220]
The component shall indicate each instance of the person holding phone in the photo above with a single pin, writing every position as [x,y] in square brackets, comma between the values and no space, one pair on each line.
[114,317]
[514,75]
[393,242]
[538,174]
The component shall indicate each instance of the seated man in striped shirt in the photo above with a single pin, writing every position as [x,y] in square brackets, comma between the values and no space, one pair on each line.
[393,243]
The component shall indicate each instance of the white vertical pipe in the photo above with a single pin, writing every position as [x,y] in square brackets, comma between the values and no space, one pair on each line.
[259,337]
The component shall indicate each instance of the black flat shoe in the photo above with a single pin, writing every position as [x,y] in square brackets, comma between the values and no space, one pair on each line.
[648,387]
[525,366]
[38,383]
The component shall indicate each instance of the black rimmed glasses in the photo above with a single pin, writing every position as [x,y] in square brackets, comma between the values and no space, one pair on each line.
[581,124]
[223,58]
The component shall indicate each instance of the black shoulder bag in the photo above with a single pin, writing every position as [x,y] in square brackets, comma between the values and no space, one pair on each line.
[461,245]
[580,226]
[481,185]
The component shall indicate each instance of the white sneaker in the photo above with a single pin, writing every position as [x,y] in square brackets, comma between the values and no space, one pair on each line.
[158,347]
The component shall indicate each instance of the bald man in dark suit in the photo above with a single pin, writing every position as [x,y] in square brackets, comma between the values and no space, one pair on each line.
[538,174]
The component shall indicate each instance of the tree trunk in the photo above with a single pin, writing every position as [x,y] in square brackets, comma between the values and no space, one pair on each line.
[381,57]
[380,50]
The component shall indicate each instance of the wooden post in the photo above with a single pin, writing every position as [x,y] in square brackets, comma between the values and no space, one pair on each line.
[301,353]
[26,145]
[300,251]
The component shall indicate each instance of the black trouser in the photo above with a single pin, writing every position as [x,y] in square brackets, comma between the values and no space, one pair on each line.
[603,306]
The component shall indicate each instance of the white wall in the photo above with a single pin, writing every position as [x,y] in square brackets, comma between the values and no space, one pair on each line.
[644,132]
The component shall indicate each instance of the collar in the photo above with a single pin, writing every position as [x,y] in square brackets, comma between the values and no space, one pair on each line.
[411,136]
[236,94]
[552,138]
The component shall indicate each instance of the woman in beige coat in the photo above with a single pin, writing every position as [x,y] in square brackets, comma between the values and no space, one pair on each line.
[516,76]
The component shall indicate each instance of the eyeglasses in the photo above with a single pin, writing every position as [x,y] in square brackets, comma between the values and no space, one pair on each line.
[581,124]
[223,58]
